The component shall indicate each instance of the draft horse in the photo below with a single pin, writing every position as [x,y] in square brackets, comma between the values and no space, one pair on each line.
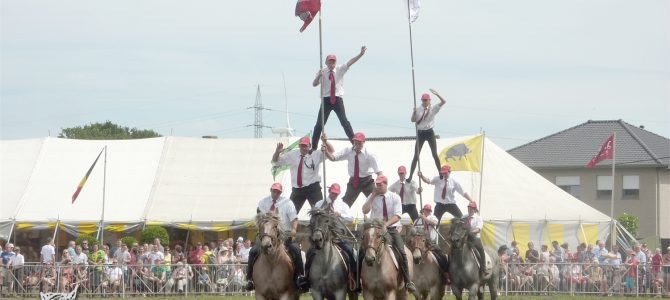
[273,270]
[427,272]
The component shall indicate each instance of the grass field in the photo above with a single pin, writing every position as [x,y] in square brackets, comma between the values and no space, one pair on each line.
[308,297]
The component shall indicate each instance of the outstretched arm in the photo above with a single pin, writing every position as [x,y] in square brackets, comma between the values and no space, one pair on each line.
[426,180]
[275,156]
[442,101]
[357,57]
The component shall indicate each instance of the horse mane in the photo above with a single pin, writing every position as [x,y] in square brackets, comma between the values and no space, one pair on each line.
[332,217]
[376,223]
[262,218]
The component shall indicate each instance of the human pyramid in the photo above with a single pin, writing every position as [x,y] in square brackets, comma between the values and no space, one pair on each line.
[384,202]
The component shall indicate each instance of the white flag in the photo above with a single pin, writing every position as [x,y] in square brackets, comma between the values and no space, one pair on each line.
[414,6]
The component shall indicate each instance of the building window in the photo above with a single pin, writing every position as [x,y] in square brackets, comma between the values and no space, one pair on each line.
[604,191]
[631,187]
[570,184]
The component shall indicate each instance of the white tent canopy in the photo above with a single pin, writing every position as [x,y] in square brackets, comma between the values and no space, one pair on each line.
[218,182]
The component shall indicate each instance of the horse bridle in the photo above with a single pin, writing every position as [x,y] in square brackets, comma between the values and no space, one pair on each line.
[382,236]
[461,237]
[263,234]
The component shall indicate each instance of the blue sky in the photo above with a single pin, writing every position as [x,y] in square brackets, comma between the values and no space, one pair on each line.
[519,70]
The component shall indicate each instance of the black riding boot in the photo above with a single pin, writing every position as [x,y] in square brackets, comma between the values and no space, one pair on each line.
[351,259]
[477,243]
[298,267]
[308,264]
[399,248]
[253,254]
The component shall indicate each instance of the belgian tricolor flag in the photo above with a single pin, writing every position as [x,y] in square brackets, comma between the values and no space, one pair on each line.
[83,180]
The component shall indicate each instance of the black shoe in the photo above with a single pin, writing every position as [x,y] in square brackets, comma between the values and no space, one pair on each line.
[408,180]
[302,284]
[250,286]
[410,287]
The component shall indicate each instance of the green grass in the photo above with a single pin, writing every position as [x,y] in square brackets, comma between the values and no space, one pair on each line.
[307,297]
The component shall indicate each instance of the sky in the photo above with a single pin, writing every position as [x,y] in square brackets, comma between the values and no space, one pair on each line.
[517,70]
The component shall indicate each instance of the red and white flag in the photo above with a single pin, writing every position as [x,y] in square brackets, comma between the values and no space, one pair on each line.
[606,152]
[306,10]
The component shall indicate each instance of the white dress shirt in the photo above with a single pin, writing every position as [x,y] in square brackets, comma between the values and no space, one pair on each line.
[284,208]
[339,72]
[433,232]
[339,207]
[17,261]
[476,222]
[310,166]
[409,196]
[428,121]
[367,162]
[393,207]
[48,253]
[452,186]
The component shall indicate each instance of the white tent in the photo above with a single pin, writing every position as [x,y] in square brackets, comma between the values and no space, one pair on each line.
[215,184]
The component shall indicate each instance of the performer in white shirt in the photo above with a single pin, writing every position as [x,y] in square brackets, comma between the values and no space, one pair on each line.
[427,222]
[407,191]
[288,221]
[304,164]
[361,165]
[476,224]
[445,188]
[424,117]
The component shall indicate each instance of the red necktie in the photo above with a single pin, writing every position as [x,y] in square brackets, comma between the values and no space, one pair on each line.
[300,171]
[469,221]
[332,87]
[402,192]
[272,208]
[356,168]
[386,214]
[444,190]
[425,111]
[425,227]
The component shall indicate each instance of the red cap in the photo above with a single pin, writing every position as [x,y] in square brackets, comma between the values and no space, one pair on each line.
[277,186]
[445,169]
[428,207]
[473,205]
[305,141]
[381,178]
[334,188]
[425,96]
[331,57]
[402,169]
[359,136]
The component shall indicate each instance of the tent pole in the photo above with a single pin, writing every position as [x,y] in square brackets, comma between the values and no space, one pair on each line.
[481,172]
[104,184]
[612,227]
[11,230]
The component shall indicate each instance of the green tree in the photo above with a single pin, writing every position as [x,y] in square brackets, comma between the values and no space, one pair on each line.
[151,232]
[129,241]
[86,237]
[105,131]
[630,222]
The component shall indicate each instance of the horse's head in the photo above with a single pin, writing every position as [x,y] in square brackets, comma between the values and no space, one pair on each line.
[268,229]
[373,239]
[458,233]
[321,223]
[417,244]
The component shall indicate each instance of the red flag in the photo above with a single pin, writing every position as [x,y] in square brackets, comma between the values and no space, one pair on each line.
[306,10]
[606,152]
[83,180]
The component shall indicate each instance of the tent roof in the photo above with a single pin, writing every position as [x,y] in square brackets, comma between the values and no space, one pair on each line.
[177,179]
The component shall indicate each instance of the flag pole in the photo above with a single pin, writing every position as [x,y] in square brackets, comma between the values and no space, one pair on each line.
[416,125]
[481,172]
[613,225]
[321,100]
[104,184]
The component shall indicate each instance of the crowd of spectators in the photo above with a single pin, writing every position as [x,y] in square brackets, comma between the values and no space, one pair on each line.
[141,268]
[588,268]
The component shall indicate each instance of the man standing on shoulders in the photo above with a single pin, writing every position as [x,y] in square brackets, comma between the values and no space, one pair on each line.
[304,164]
[361,165]
[445,200]
[407,191]
[384,204]
[331,79]
[424,117]
[288,221]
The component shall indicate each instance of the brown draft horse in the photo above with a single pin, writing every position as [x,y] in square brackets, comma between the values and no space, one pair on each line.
[427,273]
[379,276]
[273,270]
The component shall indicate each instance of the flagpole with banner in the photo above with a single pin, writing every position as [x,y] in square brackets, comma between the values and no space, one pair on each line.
[607,151]
[410,19]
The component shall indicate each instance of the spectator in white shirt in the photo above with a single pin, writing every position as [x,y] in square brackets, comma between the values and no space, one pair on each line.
[424,117]
[80,258]
[48,252]
[244,251]
[361,165]
[16,263]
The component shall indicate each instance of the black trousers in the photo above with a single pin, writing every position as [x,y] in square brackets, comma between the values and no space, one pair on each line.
[439,255]
[410,209]
[365,185]
[452,208]
[338,107]
[422,136]
[293,251]
[477,243]
[311,193]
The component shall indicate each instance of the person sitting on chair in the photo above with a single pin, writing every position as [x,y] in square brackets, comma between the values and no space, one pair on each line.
[475,222]
[288,220]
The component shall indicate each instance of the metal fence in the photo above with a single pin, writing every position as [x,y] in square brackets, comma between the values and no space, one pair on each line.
[137,280]
[230,279]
